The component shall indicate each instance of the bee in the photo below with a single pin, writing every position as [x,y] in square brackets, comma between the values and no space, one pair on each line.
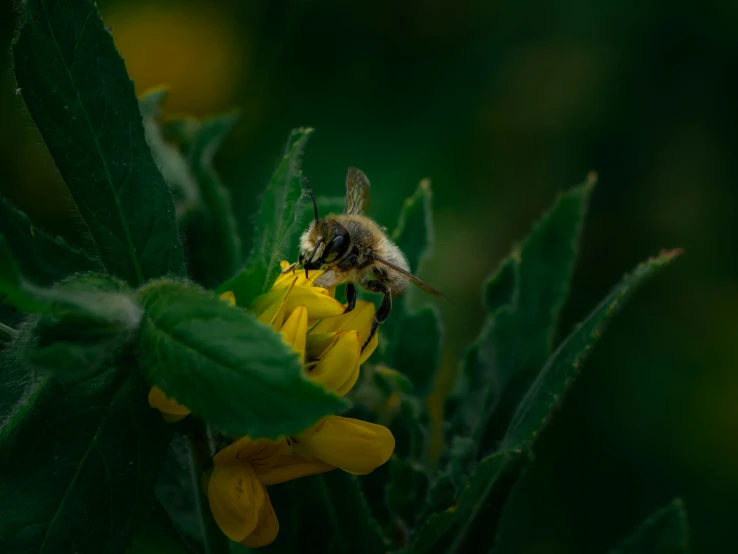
[353,249]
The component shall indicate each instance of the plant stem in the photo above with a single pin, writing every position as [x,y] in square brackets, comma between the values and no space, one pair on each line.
[214,540]
[7,333]
[330,508]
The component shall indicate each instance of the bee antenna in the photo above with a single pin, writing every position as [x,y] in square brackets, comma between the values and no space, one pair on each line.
[312,197]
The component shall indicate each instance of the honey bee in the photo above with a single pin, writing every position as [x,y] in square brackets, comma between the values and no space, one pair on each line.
[353,249]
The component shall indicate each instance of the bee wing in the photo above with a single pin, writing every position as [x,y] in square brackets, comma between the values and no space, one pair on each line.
[357,191]
[413,279]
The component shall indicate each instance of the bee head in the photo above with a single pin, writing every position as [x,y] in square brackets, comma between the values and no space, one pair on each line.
[325,243]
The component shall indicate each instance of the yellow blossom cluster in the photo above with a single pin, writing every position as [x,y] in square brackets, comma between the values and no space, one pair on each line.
[328,342]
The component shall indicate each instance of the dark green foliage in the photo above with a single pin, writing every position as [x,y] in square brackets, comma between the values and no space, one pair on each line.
[85,320]
[665,532]
[43,258]
[447,531]
[414,235]
[178,490]
[196,348]
[83,455]
[172,163]
[328,514]
[108,304]
[157,536]
[78,463]
[219,254]
[408,484]
[80,97]
[414,231]
[524,298]
[547,391]
[202,203]
[78,343]
[418,348]
[274,223]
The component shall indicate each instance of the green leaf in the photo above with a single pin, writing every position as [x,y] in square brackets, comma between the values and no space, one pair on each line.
[43,258]
[447,531]
[408,483]
[418,348]
[524,299]
[414,236]
[79,95]
[224,365]
[178,490]
[352,522]
[414,231]
[274,222]
[411,428]
[173,164]
[549,387]
[78,462]
[328,513]
[501,289]
[220,244]
[441,496]
[665,532]
[157,536]
[81,341]
[77,303]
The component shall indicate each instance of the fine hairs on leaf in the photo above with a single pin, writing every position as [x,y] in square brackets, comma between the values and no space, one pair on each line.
[524,298]
[106,304]
[196,348]
[274,222]
[78,93]
[665,532]
[547,390]
[94,442]
[42,258]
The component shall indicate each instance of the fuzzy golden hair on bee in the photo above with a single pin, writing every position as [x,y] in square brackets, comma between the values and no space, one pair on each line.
[352,248]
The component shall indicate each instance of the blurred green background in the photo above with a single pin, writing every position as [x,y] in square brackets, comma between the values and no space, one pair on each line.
[501,105]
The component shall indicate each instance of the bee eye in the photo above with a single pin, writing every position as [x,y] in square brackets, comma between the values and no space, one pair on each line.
[336,243]
[334,249]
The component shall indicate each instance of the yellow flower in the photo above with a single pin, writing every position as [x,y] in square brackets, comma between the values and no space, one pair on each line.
[313,323]
[236,488]
[329,343]
[331,350]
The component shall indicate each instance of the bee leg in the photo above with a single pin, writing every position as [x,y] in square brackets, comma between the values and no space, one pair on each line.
[350,297]
[289,268]
[384,308]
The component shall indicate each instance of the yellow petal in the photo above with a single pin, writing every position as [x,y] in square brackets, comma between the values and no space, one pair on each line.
[229,297]
[360,318]
[284,279]
[262,454]
[236,498]
[317,301]
[294,331]
[370,348]
[318,343]
[270,307]
[291,467]
[338,370]
[267,528]
[355,446]
[170,409]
